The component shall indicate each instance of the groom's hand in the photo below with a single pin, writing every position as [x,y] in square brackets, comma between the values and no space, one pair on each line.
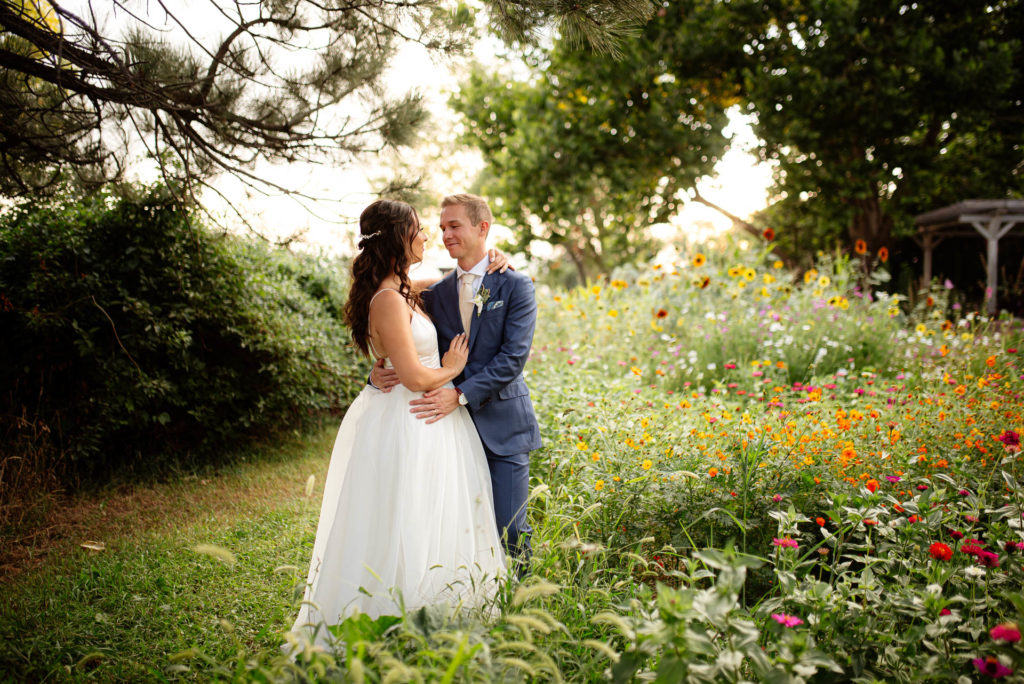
[383,378]
[435,404]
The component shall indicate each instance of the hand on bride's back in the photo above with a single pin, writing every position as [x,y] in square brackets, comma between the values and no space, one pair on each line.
[458,352]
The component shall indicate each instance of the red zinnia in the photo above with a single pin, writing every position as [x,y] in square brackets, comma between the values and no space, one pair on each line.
[883,254]
[769,234]
[940,551]
[970,549]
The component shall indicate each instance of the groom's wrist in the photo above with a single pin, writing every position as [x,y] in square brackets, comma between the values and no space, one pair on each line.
[463,399]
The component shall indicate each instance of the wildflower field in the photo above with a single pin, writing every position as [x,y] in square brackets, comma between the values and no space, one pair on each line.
[748,475]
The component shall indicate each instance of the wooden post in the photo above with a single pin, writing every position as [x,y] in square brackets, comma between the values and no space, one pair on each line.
[997,227]
[929,245]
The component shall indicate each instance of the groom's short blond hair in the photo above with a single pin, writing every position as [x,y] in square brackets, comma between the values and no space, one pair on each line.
[476,207]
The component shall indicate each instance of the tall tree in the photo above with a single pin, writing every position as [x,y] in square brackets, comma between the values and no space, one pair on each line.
[588,152]
[216,88]
[870,110]
[875,110]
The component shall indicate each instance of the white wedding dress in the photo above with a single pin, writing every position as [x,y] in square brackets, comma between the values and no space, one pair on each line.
[407,516]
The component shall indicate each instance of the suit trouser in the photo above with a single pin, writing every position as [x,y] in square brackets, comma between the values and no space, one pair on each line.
[510,483]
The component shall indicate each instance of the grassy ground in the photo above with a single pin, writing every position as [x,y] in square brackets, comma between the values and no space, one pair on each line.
[71,614]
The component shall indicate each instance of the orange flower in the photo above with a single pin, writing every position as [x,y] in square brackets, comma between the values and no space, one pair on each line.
[768,234]
[661,313]
[872,485]
[860,247]
[883,254]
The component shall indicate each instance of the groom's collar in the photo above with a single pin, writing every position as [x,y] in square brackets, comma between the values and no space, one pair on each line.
[480,270]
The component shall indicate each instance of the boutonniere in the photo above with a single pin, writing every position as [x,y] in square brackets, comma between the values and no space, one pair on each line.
[482,295]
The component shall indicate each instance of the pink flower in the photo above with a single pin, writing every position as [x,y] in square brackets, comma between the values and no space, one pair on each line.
[945,611]
[970,549]
[787,620]
[777,498]
[988,559]
[786,542]
[1010,440]
[1007,632]
[893,478]
[992,667]
[964,492]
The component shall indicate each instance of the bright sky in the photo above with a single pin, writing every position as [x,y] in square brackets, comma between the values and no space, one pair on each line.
[739,186]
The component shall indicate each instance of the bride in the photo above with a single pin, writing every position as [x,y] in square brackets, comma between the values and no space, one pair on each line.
[407,518]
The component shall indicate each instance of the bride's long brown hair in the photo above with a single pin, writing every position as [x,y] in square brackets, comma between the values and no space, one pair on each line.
[386,228]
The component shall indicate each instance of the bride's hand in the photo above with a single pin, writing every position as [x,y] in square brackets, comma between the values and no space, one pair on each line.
[499,261]
[458,352]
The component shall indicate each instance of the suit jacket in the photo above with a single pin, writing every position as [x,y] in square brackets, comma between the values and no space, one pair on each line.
[499,344]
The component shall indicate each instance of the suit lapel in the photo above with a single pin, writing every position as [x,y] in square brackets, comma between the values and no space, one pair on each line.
[490,282]
[447,293]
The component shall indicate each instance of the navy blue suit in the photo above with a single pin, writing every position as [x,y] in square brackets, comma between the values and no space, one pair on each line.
[499,401]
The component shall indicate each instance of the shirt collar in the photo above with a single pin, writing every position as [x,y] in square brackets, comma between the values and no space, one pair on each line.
[480,270]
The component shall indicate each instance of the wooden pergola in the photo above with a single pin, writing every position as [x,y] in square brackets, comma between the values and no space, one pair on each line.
[991,218]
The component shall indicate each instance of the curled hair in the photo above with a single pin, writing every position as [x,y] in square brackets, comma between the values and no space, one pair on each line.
[385,229]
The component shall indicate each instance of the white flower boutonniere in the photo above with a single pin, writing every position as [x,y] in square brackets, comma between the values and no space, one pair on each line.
[482,295]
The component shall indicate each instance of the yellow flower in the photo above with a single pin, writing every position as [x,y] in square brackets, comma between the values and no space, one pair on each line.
[636,371]
[778,264]
[599,485]
[595,457]
[699,260]
[768,278]
[922,328]
[613,313]
[582,446]
[749,273]
[646,465]
[810,275]
[817,292]
[893,311]
[620,284]
[823,281]
[735,271]
[596,289]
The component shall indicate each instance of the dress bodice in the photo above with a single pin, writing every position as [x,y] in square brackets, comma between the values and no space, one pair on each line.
[424,338]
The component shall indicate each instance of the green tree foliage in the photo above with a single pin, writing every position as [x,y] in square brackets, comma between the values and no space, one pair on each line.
[589,152]
[871,111]
[130,334]
[222,85]
[877,110]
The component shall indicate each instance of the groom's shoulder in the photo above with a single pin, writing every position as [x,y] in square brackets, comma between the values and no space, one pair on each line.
[518,278]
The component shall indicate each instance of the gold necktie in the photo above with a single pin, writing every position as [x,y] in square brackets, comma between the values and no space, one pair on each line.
[466,295]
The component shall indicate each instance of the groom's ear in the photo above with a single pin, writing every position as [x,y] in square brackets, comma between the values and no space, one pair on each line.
[485,227]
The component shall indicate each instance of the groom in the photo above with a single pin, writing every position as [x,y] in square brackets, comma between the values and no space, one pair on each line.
[499,312]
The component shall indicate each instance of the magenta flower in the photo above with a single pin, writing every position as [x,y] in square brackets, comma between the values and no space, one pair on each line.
[777,498]
[988,559]
[1010,440]
[992,667]
[964,492]
[893,478]
[945,611]
[787,620]
[970,549]
[786,542]
[1007,632]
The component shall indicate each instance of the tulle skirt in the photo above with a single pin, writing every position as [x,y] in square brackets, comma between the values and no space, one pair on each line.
[407,518]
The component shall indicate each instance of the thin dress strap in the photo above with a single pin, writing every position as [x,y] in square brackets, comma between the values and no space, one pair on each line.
[368,338]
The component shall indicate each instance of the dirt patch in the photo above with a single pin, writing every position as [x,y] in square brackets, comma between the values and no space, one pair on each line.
[129,511]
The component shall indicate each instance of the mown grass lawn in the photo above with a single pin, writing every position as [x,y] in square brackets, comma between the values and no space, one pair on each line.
[122,613]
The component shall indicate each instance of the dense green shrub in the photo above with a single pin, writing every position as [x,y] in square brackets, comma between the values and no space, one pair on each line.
[131,332]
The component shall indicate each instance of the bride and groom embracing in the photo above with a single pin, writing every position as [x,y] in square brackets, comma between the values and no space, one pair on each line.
[427,485]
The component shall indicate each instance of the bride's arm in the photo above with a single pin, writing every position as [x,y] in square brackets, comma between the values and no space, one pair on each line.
[389,318]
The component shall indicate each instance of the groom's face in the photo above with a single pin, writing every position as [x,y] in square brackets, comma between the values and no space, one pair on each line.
[462,239]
